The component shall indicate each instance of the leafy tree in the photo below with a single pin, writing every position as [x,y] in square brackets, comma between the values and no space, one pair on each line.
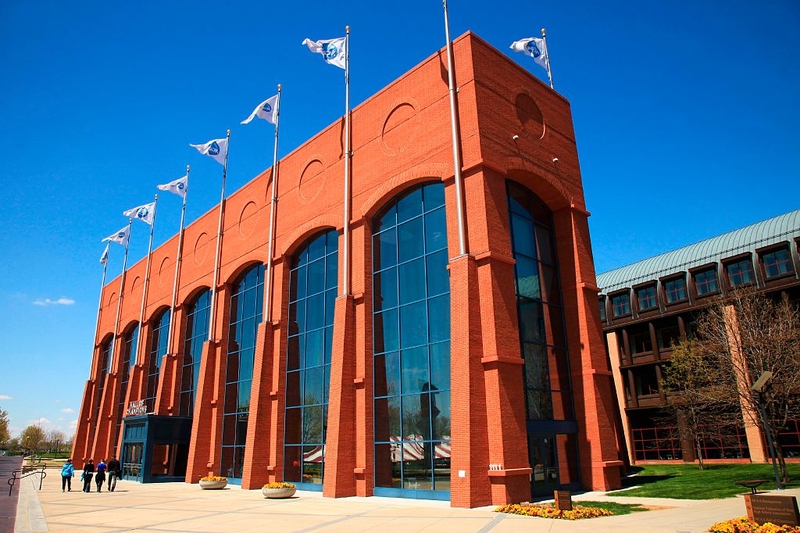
[742,335]
[33,438]
[4,434]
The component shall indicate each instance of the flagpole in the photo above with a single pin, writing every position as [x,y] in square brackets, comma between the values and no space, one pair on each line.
[146,280]
[267,314]
[119,297]
[211,321]
[547,59]
[102,284]
[462,241]
[347,156]
[178,259]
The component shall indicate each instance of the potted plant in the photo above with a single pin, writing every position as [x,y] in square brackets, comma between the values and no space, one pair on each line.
[213,482]
[278,489]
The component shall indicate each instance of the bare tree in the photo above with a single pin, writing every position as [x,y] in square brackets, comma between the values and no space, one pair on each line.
[749,333]
[55,440]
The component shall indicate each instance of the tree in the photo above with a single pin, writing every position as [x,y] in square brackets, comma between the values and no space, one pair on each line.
[4,434]
[747,333]
[33,438]
[55,440]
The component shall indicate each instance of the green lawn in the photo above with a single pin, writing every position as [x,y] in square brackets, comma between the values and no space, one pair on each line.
[614,507]
[689,482]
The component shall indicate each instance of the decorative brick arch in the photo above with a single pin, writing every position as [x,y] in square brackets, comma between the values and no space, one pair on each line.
[546,186]
[302,232]
[389,189]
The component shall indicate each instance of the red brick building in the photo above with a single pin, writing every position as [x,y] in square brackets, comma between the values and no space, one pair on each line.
[480,377]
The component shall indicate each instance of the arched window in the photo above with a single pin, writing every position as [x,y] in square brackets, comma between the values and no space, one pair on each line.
[411,335]
[130,340]
[158,348]
[246,301]
[195,335]
[552,443]
[312,296]
[105,361]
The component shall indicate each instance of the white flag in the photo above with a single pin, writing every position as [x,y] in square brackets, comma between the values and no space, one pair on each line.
[104,256]
[218,149]
[145,213]
[268,110]
[179,186]
[121,236]
[334,51]
[534,47]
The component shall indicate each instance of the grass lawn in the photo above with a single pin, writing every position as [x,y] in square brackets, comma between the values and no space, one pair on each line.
[614,507]
[689,482]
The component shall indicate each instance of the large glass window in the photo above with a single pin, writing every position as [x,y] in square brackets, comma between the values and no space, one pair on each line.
[621,304]
[246,300]
[776,263]
[541,322]
[675,290]
[740,272]
[130,342]
[312,297]
[158,348]
[411,335]
[105,361]
[646,297]
[705,281]
[196,334]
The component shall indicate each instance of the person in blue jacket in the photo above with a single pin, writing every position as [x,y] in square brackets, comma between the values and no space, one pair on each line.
[67,473]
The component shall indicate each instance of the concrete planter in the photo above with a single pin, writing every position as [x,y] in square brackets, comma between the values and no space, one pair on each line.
[278,493]
[213,485]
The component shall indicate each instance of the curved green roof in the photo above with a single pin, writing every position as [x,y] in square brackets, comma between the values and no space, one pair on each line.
[748,239]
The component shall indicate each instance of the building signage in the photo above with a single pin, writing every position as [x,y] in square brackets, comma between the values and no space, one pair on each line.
[563,499]
[780,510]
[136,408]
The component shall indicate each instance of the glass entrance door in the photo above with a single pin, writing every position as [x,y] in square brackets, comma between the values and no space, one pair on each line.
[132,458]
[544,461]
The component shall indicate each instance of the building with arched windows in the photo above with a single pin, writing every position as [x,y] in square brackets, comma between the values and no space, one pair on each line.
[375,358]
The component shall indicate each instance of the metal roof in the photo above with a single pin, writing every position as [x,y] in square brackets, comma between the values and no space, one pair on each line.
[748,239]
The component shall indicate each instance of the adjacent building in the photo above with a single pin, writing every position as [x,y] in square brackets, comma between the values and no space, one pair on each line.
[381,361]
[650,305]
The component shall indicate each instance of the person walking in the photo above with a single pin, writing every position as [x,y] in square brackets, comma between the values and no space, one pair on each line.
[88,473]
[100,477]
[67,473]
[114,473]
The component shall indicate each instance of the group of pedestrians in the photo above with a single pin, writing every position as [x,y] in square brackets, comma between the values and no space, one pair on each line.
[112,471]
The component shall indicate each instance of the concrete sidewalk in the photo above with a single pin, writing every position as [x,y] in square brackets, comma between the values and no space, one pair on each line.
[181,507]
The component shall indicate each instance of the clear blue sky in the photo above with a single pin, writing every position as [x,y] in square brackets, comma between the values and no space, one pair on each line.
[686,115]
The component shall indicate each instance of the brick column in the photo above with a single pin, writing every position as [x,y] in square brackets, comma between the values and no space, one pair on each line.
[258,444]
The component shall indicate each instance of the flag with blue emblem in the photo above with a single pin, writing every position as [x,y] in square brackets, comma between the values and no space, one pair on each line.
[334,51]
[534,47]
[268,110]
[179,186]
[145,213]
[104,256]
[216,149]
[122,236]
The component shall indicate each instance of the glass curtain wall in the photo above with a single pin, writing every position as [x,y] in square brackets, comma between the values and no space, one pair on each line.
[195,335]
[246,301]
[411,325]
[130,340]
[548,392]
[158,348]
[312,297]
[105,360]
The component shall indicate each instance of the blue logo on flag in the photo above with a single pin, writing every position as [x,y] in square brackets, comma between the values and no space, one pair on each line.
[180,185]
[213,149]
[121,235]
[142,212]
[267,108]
[532,49]
[329,51]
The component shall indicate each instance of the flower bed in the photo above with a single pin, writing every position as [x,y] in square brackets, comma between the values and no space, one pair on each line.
[743,525]
[548,511]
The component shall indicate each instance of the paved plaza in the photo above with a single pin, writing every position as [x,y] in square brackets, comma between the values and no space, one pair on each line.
[181,507]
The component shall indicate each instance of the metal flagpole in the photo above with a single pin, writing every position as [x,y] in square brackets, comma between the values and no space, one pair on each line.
[347,155]
[146,279]
[267,314]
[547,58]
[211,321]
[462,241]
[119,297]
[178,259]
[102,284]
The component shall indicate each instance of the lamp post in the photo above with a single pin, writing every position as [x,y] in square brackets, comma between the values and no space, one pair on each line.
[759,387]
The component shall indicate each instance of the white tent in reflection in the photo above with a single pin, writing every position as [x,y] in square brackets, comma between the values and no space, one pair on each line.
[412,448]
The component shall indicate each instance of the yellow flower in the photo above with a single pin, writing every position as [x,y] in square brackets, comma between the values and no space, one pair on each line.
[213,478]
[279,485]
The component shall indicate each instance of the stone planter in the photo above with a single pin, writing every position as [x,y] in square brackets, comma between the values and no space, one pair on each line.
[278,493]
[213,485]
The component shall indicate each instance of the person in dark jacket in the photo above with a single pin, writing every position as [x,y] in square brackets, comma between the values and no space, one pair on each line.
[88,473]
[67,473]
[100,477]
[114,473]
